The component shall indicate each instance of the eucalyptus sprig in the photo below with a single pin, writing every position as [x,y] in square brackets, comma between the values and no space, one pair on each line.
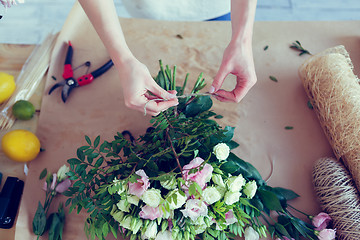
[298,47]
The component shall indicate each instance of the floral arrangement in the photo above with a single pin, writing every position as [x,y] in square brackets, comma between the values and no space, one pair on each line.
[179,180]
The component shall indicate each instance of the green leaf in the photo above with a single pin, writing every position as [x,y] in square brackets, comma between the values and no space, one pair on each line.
[73,161]
[197,106]
[96,141]
[229,134]
[39,221]
[272,78]
[286,193]
[43,174]
[80,154]
[270,200]
[88,140]
[282,230]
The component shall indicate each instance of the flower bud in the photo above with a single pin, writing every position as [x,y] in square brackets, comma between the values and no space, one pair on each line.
[61,173]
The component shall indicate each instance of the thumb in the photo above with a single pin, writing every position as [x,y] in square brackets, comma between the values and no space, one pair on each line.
[160,92]
[218,79]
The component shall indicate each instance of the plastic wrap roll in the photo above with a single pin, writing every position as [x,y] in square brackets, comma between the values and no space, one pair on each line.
[338,196]
[334,92]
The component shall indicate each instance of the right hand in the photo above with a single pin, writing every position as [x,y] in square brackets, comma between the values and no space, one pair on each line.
[137,85]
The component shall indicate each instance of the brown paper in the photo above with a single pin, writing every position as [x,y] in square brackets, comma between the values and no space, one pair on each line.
[260,119]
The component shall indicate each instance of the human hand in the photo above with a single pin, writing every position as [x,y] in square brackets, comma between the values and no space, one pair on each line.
[137,85]
[237,60]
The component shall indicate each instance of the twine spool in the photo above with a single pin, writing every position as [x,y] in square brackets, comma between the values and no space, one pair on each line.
[338,196]
[334,92]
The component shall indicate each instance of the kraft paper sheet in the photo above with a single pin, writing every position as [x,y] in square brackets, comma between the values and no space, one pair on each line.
[260,119]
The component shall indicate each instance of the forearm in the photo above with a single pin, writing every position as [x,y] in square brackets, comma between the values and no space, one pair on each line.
[242,20]
[103,17]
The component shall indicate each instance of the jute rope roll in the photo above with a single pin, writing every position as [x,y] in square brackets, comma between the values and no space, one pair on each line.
[338,196]
[334,92]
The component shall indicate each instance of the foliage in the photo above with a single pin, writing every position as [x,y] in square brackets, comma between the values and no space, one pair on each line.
[103,172]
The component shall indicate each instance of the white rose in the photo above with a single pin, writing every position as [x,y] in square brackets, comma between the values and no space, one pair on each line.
[151,230]
[169,184]
[221,151]
[251,234]
[61,173]
[194,208]
[231,197]
[166,235]
[180,200]
[250,189]
[235,183]
[133,199]
[126,222]
[211,195]
[123,205]
[221,190]
[217,179]
[152,197]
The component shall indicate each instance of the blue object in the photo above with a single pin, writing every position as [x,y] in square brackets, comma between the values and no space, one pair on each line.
[225,17]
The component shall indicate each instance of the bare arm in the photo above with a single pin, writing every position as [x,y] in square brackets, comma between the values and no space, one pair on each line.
[238,57]
[135,77]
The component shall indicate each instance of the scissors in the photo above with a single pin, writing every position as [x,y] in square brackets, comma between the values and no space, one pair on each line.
[69,82]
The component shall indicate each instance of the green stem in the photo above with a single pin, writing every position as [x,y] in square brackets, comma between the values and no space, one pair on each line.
[309,216]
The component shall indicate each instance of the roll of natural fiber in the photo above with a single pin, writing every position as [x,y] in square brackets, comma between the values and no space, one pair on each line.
[334,92]
[338,196]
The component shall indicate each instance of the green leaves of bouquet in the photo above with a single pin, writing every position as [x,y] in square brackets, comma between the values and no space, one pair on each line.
[179,180]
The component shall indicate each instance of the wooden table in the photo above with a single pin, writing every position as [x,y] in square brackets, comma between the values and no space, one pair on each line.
[257,109]
[12,58]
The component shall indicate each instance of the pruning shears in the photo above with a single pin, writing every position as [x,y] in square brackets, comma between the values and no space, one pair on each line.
[69,82]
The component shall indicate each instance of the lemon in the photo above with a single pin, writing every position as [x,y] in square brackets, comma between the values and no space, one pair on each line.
[20,145]
[7,86]
[23,110]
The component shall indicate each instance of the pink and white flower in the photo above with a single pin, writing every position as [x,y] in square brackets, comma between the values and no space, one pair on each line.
[321,221]
[230,217]
[202,176]
[327,234]
[138,188]
[194,208]
[151,213]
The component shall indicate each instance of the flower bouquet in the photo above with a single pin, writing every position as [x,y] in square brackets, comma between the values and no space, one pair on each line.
[179,180]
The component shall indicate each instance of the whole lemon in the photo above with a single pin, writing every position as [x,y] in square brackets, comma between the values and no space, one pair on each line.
[23,110]
[7,86]
[20,145]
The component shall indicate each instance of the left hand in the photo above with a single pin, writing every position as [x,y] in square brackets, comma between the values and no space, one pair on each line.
[237,60]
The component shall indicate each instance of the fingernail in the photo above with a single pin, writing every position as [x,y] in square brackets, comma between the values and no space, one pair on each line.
[212,89]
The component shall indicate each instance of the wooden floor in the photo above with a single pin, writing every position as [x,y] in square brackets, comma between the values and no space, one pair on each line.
[28,23]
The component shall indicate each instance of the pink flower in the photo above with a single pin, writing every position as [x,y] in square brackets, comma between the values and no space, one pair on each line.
[200,177]
[230,217]
[327,234]
[151,213]
[321,221]
[63,186]
[141,185]
[285,238]
[52,186]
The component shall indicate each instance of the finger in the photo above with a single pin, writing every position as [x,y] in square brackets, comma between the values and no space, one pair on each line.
[219,79]
[160,92]
[159,106]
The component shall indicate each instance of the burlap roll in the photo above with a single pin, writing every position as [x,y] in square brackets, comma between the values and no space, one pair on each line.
[334,92]
[338,197]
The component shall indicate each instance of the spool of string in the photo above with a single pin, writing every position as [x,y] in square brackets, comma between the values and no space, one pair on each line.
[338,196]
[334,92]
